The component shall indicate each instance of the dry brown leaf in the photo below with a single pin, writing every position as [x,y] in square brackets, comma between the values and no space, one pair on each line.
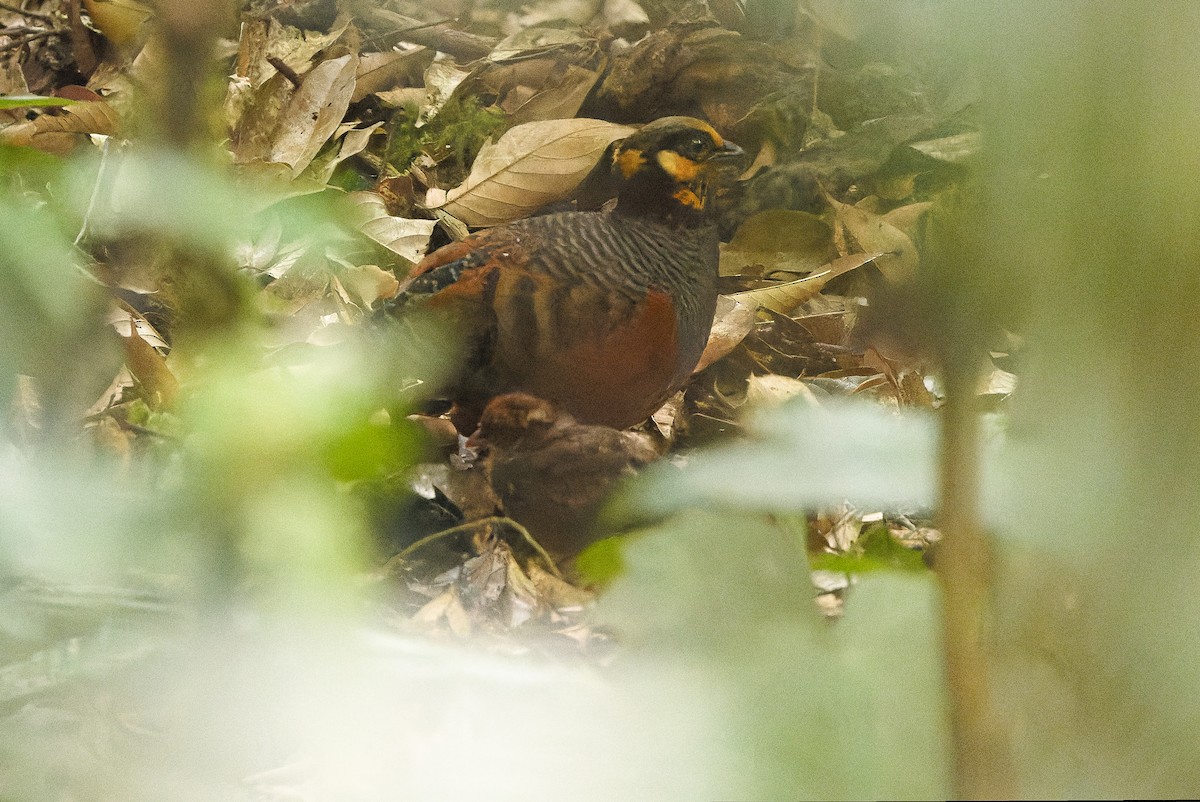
[898,256]
[951,149]
[402,236]
[997,382]
[296,48]
[109,438]
[907,218]
[158,383]
[555,591]
[369,283]
[787,296]
[119,20]
[142,356]
[779,239]
[540,89]
[531,165]
[381,72]
[772,390]
[532,41]
[314,113]
[441,79]
[354,141]
[733,320]
[59,133]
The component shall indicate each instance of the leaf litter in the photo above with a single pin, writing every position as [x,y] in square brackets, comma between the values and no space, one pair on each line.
[411,131]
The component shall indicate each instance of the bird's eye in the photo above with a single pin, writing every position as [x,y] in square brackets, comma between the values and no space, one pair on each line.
[697,144]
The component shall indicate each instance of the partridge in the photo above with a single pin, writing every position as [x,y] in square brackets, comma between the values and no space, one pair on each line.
[551,474]
[604,313]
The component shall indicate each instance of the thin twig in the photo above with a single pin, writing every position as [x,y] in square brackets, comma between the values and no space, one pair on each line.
[33,37]
[285,71]
[25,13]
[467,527]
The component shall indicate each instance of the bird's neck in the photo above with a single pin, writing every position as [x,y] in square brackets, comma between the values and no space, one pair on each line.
[666,201]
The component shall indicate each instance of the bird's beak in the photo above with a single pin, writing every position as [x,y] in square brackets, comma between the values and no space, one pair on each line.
[728,152]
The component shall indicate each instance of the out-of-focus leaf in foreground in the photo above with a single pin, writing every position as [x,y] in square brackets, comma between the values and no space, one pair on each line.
[719,609]
[50,323]
[801,456]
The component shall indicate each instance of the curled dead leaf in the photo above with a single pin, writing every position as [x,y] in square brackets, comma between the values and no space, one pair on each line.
[897,255]
[787,296]
[314,112]
[381,72]
[407,238]
[143,358]
[773,390]
[908,218]
[369,283]
[779,239]
[733,320]
[529,166]
[59,133]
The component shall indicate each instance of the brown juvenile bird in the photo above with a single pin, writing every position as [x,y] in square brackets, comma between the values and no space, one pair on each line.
[603,313]
[552,474]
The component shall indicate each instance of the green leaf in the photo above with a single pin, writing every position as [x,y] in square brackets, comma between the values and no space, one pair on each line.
[601,562]
[880,552]
[33,101]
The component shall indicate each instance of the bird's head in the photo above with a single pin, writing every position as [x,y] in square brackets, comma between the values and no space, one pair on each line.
[666,168]
[516,417]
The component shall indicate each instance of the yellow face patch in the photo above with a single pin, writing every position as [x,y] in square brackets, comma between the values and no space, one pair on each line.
[629,161]
[689,198]
[681,168]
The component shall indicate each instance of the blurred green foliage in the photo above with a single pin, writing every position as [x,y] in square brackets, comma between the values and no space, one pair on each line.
[183,623]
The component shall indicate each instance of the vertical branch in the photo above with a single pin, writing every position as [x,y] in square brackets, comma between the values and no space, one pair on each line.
[205,290]
[984,767]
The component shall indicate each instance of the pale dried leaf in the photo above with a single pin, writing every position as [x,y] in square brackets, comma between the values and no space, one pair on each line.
[146,364]
[666,416]
[399,98]
[404,237]
[111,395]
[733,320]
[354,141]
[907,218]
[442,77]
[787,296]
[952,149]
[617,13]
[127,323]
[59,133]
[435,608]
[898,256]
[314,113]
[369,283]
[779,239]
[381,72]
[997,382]
[773,390]
[531,165]
[254,115]
[297,48]
[530,42]
[558,95]
[556,592]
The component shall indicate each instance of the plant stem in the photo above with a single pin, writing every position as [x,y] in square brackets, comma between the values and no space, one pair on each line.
[983,761]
